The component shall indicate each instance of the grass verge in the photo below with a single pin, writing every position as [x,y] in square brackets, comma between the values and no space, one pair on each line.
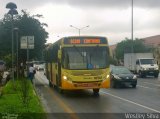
[20,101]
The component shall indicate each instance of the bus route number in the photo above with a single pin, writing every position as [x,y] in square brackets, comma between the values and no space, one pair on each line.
[85,41]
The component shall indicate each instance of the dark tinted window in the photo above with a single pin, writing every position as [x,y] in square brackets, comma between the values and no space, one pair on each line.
[120,70]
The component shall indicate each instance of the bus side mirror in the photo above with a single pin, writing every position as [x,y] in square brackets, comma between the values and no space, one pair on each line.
[59,54]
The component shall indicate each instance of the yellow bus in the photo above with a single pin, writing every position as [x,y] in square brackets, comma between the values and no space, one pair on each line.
[78,62]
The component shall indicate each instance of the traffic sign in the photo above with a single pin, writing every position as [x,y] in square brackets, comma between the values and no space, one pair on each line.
[27,42]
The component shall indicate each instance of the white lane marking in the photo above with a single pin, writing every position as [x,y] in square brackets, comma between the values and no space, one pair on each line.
[152,84]
[130,102]
[145,87]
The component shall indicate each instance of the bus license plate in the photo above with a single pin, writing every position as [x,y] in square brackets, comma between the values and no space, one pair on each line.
[86,85]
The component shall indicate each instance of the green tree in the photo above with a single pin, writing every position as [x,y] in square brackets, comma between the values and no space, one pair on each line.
[112,61]
[28,26]
[126,45]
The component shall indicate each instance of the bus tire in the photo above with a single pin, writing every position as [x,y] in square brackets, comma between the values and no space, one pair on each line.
[50,84]
[60,90]
[58,85]
[96,92]
[57,82]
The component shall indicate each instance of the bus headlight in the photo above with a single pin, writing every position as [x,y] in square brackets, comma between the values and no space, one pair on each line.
[65,77]
[107,76]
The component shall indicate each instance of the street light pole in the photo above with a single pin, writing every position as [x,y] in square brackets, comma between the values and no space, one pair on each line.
[132,24]
[12,6]
[17,46]
[132,50]
[79,29]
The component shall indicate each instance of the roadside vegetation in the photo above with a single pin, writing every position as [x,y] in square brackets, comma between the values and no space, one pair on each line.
[18,98]
[125,46]
[27,25]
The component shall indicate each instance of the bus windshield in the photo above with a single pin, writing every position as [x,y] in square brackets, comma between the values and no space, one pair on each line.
[85,57]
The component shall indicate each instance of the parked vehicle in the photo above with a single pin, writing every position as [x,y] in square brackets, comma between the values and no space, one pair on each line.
[141,63]
[121,76]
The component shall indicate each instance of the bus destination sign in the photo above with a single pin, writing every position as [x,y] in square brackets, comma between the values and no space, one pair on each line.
[84,41]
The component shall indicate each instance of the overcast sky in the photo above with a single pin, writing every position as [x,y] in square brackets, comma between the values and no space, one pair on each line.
[109,18]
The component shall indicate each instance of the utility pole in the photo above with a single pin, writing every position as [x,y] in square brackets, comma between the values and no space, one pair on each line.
[12,6]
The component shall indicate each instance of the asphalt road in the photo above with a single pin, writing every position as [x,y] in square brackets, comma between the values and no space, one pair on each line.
[111,104]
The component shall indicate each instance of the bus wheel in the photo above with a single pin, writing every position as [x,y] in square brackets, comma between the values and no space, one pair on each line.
[96,92]
[50,84]
[60,90]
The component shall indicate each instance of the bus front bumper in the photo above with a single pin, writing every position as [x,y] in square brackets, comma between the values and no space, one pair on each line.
[69,85]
